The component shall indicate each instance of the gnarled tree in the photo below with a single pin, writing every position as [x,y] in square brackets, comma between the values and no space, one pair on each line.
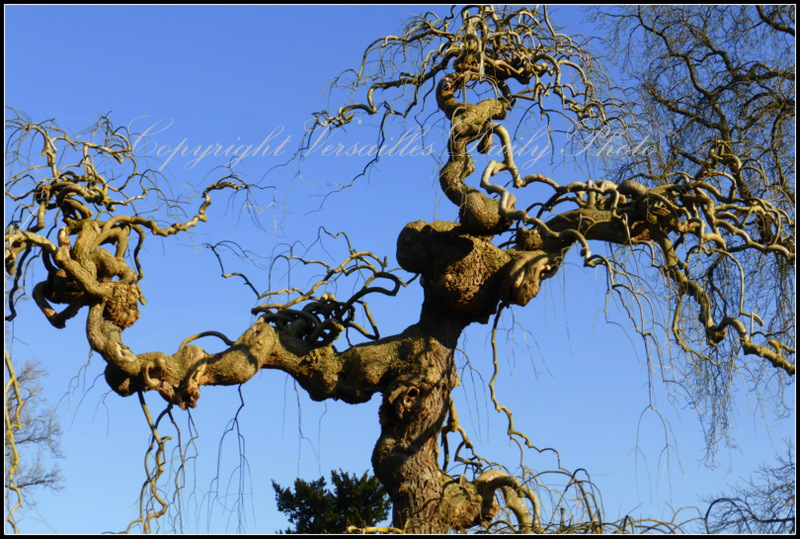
[709,208]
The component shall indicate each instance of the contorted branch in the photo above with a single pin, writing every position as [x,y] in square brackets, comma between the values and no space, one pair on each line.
[92,214]
[516,54]
[514,493]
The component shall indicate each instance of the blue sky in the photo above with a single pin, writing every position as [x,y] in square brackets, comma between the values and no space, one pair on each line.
[236,75]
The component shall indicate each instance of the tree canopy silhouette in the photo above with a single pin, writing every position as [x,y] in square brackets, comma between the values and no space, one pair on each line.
[312,508]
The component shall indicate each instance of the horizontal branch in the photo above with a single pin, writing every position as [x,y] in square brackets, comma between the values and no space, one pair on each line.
[352,376]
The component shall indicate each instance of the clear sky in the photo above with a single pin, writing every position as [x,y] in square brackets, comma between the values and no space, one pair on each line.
[189,76]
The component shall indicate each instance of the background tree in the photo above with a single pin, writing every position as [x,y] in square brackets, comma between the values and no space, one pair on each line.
[766,504]
[31,440]
[84,208]
[312,508]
